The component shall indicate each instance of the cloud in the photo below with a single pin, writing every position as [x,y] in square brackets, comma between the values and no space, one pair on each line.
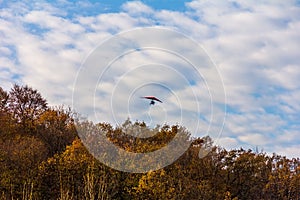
[287,77]
[127,67]
[290,151]
[254,139]
[228,142]
[255,46]
[136,8]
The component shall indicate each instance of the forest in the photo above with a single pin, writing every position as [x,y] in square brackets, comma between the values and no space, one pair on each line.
[42,157]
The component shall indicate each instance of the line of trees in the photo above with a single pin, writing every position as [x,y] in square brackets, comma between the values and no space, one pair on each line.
[42,157]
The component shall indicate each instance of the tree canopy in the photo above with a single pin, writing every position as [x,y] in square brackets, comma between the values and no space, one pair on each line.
[42,157]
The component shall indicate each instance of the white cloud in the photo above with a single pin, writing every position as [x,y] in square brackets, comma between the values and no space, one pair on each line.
[286,77]
[136,8]
[255,139]
[228,143]
[291,136]
[290,151]
[148,71]
[47,20]
[255,45]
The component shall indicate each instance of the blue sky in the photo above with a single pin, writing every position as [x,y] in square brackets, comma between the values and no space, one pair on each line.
[255,47]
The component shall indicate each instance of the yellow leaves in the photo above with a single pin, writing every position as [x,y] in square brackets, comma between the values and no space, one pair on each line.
[54,117]
[75,155]
[155,184]
[229,197]
[49,162]
[128,137]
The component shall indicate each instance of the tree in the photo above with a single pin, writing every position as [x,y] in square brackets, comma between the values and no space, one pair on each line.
[247,173]
[76,173]
[20,157]
[41,157]
[155,184]
[26,105]
[7,126]
[55,127]
[3,99]
[284,180]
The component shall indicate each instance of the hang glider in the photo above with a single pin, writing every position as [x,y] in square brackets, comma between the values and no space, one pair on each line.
[152,98]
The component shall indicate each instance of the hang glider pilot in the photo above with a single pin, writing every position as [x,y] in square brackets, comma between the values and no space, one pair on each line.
[152,98]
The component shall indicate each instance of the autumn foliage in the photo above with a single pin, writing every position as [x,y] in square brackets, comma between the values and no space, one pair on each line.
[42,157]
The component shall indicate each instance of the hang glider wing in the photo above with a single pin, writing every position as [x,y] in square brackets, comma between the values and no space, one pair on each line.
[153,98]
